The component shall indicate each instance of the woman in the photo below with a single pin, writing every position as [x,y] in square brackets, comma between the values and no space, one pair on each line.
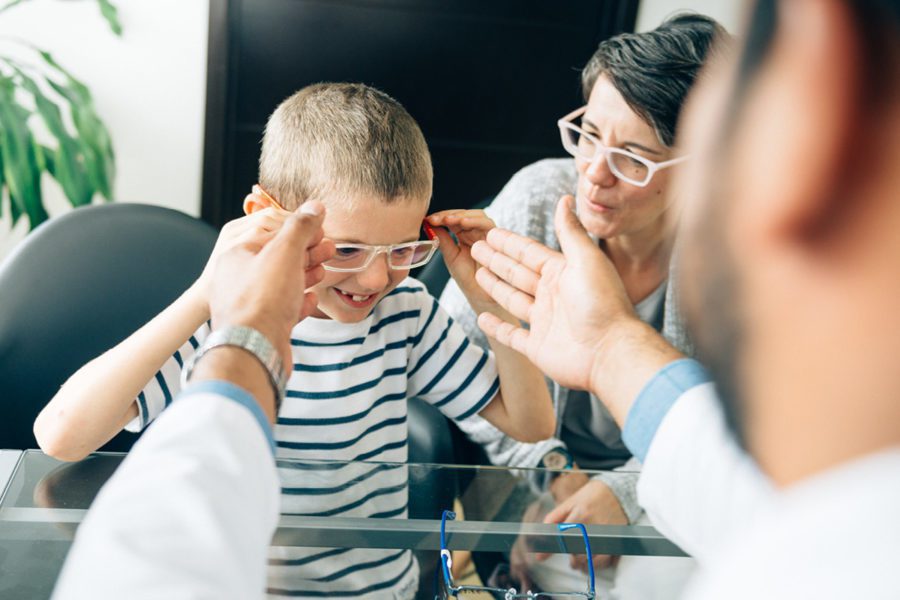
[623,147]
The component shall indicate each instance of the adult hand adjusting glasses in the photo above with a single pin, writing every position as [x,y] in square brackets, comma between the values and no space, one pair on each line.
[350,258]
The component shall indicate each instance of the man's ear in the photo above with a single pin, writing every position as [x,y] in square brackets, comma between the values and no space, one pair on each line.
[796,141]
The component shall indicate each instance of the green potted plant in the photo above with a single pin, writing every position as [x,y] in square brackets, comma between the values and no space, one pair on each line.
[79,153]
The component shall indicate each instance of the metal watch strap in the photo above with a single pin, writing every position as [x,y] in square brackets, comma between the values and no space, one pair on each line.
[253,342]
[564,456]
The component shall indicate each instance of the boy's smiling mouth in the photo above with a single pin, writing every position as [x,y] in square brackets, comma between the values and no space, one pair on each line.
[356,300]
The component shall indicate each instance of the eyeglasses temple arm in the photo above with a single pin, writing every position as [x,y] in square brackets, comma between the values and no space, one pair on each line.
[587,548]
[446,559]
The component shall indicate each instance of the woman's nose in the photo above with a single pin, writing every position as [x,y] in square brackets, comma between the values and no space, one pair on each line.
[599,173]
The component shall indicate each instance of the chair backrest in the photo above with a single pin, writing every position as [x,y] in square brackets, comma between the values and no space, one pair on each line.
[78,285]
[430,441]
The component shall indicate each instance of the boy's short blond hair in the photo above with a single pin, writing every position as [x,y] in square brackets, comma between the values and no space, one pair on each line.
[344,138]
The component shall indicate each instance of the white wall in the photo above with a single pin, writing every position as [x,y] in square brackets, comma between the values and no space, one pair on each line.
[727,12]
[149,87]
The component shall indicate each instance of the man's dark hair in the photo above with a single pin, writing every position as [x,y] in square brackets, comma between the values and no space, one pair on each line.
[655,70]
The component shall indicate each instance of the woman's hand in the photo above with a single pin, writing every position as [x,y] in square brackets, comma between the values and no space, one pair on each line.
[592,504]
[469,227]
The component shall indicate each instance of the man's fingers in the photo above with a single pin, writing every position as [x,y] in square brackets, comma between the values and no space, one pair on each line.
[515,301]
[513,272]
[519,248]
[314,276]
[310,301]
[300,231]
[505,333]
[319,253]
[257,237]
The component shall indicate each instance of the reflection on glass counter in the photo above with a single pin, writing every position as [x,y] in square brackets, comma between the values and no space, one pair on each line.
[337,517]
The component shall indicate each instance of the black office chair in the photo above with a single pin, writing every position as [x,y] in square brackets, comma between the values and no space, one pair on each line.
[430,441]
[78,285]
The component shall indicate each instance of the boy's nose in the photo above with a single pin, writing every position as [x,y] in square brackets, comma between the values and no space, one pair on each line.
[377,275]
[599,173]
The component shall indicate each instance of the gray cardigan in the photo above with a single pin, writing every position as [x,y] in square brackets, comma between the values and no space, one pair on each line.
[526,205]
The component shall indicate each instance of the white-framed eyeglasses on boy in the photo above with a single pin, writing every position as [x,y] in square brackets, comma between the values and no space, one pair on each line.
[350,258]
[625,165]
[357,257]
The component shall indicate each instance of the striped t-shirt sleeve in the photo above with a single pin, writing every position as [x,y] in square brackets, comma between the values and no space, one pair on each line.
[166,383]
[446,369]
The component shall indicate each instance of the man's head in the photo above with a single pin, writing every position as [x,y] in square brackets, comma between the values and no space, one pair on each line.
[791,254]
[361,154]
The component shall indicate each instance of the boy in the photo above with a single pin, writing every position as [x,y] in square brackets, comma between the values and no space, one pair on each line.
[375,339]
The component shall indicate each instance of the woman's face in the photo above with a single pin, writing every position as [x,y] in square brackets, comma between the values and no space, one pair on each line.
[607,206]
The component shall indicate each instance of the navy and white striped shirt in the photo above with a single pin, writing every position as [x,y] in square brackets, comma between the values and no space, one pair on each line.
[346,401]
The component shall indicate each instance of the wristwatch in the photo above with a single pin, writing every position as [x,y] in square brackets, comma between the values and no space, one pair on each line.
[253,342]
[557,459]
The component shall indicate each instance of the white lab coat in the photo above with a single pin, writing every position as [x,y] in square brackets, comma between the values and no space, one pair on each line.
[189,514]
[835,535]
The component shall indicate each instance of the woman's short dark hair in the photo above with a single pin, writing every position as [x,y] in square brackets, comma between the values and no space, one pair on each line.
[654,70]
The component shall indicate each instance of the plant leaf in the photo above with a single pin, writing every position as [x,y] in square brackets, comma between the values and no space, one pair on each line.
[2,185]
[69,157]
[21,162]
[111,14]
[99,158]
[10,5]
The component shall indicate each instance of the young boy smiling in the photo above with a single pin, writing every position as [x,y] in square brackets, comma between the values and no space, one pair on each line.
[376,338]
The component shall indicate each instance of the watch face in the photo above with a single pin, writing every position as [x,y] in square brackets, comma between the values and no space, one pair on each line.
[554,460]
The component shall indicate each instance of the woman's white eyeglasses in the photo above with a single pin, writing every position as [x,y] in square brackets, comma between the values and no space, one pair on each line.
[625,165]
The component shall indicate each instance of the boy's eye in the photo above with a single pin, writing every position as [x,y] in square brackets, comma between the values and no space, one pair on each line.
[402,252]
[347,253]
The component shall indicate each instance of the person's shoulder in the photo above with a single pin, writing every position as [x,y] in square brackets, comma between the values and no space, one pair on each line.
[543,181]
[547,174]
[527,203]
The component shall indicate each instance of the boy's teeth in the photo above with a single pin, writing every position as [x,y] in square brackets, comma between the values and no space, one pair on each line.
[357,298]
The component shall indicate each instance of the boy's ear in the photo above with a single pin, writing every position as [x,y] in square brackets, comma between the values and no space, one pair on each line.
[255,202]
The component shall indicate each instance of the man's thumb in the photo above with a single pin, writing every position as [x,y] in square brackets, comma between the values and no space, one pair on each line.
[573,239]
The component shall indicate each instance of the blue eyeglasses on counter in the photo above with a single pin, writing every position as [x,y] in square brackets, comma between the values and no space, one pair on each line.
[453,591]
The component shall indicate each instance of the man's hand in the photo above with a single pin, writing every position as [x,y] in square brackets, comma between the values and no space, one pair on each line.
[584,332]
[261,282]
[257,228]
[571,299]
[469,227]
[592,504]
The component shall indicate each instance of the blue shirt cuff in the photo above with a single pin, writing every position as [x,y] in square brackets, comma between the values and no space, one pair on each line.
[655,400]
[239,395]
